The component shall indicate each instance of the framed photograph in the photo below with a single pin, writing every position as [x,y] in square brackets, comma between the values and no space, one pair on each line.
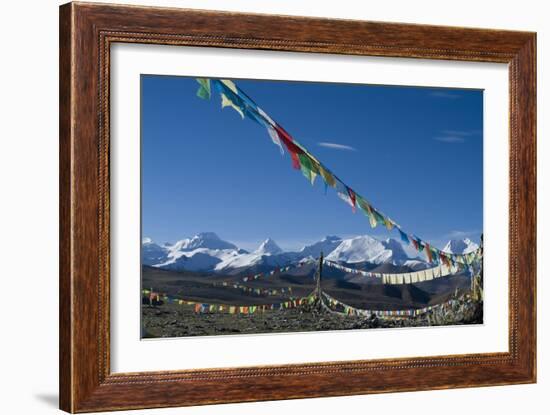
[261,207]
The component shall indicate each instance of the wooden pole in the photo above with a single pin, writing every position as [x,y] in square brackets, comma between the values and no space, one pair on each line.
[318,290]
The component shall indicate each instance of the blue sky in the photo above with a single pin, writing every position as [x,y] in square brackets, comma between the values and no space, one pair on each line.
[415,153]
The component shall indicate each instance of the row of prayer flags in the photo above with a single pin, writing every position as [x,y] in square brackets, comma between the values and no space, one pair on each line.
[251,309]
[277,270]
[234,97]
[255,290]
[353,311]
[439,271]
[200,307]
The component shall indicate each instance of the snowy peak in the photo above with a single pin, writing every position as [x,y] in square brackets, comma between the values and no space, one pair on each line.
[268,247]
[325,245]
[152,253]
[358,249]
[207,252]
[460,246]
[368,249]
[398,254]
[208,240]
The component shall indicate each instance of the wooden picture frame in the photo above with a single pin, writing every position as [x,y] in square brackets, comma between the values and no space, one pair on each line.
[86,33]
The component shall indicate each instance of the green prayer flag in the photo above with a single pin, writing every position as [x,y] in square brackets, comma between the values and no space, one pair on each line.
[204,91]
[379,217]
[367,210]
[309,170]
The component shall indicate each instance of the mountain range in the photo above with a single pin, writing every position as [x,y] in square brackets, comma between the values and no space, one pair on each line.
[207,252]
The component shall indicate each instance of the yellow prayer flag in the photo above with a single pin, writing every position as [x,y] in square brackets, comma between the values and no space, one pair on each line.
[327,177]
[226,102]
[365,207]
[230,84]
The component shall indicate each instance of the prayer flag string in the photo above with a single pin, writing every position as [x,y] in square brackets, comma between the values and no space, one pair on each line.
[428,274]
[234,97]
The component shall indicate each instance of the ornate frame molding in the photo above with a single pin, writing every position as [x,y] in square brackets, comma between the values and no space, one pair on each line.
[86,33]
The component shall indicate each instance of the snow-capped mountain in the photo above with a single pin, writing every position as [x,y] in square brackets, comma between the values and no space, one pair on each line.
[206,252]
[202,252]
[416,264]
[398,254]
[267,256]
[358,249]
[368,249]
[268,247]
[151,253]
[325,245]
[208,240]
[460,246]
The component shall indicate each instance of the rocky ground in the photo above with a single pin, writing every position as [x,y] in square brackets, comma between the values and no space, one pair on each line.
[173,320]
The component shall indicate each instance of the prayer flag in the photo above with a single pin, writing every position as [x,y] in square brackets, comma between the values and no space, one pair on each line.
[428,252]
[435,256]
[327,176]
[351,194]
[275,138]
[344,195]
[429,273]
[231,85]
[367,210]
[378,216]
[308,168]
[204,88]
[403,236]
[227,102]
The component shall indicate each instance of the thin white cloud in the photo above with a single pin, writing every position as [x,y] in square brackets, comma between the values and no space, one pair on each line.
[337,146]
[449,139]
[456,136]
[461,133]
[443,94]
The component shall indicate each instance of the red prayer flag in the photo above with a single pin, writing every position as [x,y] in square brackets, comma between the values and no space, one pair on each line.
[351,194]
[428,252]
[295,159]
[292,148]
